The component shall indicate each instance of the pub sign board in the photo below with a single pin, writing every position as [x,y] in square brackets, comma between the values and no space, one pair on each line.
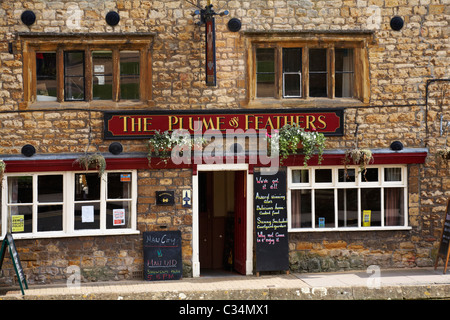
[143,124]
[165,197]
[162,255]
[210,52]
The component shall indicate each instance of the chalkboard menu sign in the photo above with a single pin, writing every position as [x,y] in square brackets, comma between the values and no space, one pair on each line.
[445,240]
[272,250]
[162,255]
[8,241]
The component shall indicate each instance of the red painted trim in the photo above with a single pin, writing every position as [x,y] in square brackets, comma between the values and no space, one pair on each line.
[156,163]
[70,165]
[379,159]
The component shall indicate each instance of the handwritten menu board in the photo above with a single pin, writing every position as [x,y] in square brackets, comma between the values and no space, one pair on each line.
[272,250]
[445,240]
[162,255]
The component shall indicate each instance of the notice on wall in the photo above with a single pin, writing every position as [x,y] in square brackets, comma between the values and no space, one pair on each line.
[272,251]
[162,255]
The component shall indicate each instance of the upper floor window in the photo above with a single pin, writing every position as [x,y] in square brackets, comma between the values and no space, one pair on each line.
[102,82]
[305,67]
[321,79]
[85,69]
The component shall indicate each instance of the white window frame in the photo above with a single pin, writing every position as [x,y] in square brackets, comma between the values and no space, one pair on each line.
[68,229]
[357,184]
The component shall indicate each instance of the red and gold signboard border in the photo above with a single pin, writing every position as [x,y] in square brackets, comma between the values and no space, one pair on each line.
[109,132]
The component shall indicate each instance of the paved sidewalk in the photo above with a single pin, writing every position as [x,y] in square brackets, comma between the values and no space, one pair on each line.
[399,284]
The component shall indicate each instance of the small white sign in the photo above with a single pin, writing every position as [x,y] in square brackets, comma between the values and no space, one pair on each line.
[99,68]
[119,217]
[87,214]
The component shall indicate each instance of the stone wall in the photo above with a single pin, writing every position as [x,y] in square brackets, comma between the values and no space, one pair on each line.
[400,63]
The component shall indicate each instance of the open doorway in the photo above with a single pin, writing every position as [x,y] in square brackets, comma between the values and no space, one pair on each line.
[222,222]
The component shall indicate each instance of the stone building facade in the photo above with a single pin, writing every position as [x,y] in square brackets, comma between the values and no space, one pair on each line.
[400,93]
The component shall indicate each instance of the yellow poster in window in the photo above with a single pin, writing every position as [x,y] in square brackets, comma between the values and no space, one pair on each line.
[366,218]
[18,223]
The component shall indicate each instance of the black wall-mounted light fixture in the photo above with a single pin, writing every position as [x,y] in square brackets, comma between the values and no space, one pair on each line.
[115,148]
[234,25]
[112,18]
[396,23]
[396,146]
[28,150]
[28,17]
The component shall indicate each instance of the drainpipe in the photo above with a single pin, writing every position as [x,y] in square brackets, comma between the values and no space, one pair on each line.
[429,81]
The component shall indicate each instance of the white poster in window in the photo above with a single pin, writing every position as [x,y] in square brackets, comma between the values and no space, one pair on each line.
[100,69]
[87,214]
[101,80]
[119,217]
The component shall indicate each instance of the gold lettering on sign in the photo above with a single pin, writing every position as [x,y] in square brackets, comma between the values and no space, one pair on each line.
[136,124]
[322,121]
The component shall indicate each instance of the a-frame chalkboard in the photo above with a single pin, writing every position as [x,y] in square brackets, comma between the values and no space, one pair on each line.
[445,240]
[8,241]
[162,255]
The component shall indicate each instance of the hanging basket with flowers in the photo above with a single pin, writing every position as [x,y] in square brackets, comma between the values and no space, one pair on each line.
[161,144]
[293,139]
[92,161]
[360,157]
[443,154]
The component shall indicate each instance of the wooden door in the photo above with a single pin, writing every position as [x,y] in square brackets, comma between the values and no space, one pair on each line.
[240,225]
[205,217]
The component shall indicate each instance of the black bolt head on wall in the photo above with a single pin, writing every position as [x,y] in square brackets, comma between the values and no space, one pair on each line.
[28,150]
[396,23]
[115,148]
[234,25]
[112,18]
[396,146]
[28,17]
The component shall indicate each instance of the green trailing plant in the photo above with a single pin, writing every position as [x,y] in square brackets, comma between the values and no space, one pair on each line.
[160,145]
[292,137]
[443,153]
[2,171]
[360,157]
[92,161]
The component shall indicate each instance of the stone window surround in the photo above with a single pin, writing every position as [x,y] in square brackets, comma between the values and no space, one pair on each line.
[359,40]
[33,42]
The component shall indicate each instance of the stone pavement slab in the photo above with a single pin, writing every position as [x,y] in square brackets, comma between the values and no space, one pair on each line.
[374,277]
[420,283]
